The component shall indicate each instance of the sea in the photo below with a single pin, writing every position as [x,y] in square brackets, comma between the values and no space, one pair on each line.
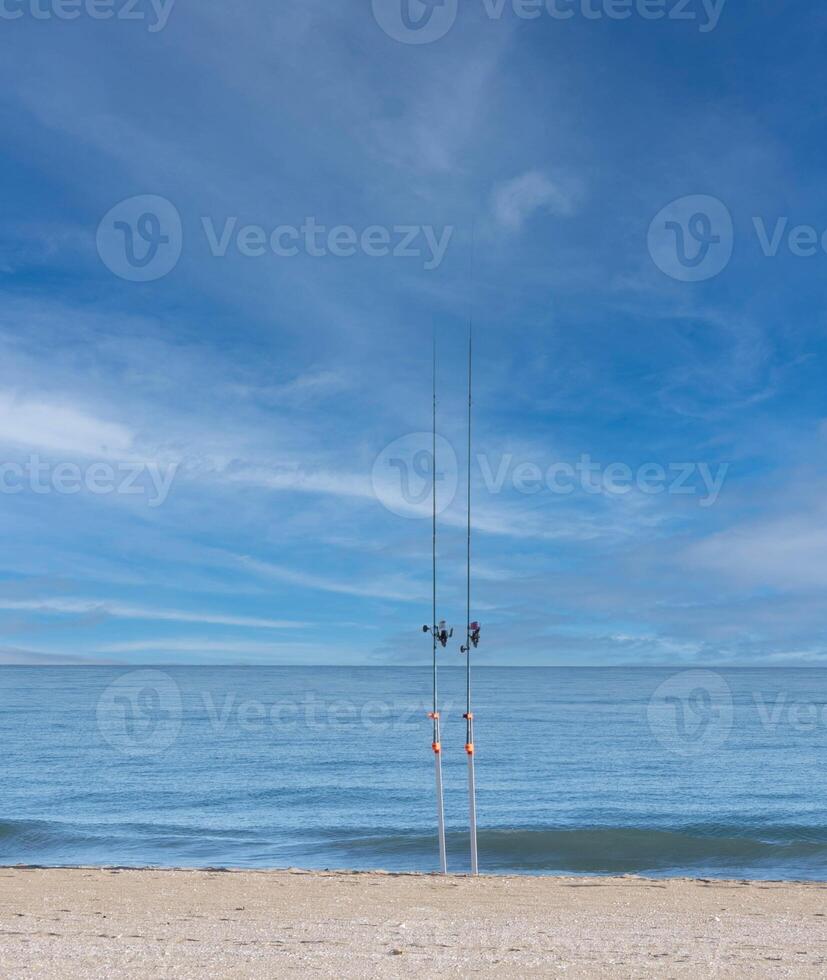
[712,773]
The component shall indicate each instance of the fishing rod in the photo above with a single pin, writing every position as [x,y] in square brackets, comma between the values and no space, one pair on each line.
[472,639]
[439,634]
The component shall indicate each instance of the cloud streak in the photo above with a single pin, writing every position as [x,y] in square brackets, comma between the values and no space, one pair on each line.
[120,610]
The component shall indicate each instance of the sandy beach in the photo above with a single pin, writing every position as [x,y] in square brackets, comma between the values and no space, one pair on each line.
[174,923]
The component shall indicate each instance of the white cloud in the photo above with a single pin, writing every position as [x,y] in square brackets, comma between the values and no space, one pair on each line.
[514,201]
[787,554]
[196,645]
[302,479]
[119,610]
[54,426]
[194,650]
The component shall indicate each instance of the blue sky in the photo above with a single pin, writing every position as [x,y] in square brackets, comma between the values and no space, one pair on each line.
[267,387]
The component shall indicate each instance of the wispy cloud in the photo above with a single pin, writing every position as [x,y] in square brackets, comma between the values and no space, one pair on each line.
[273,382]
[35,658]
[119,610]
[389,588]
[61,427]
[195,650]
[787,553]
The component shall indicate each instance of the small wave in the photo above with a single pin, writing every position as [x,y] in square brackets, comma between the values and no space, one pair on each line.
[714,850]
[39,836]
[624,850]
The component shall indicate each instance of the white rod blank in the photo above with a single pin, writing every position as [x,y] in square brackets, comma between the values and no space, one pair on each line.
[472,814]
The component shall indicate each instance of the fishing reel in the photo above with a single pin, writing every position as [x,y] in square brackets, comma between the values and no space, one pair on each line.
[440,633]
[473,638]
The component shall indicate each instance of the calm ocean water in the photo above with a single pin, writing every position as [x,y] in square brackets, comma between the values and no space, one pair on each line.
[661,772]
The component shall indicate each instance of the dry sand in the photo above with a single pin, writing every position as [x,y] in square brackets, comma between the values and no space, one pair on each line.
[208,924]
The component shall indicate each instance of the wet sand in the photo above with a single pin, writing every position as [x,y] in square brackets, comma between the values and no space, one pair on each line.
[58,923]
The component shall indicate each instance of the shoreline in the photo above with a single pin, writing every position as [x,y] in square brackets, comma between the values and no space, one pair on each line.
[90,922]
[381,872]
